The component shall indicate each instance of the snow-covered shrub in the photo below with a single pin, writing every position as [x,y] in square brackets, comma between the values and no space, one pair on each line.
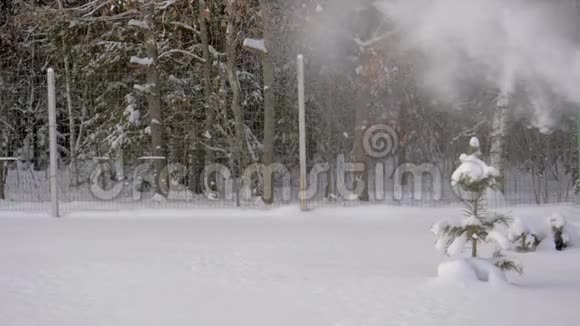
[441,231]
[474,177]
[562,233]
[523,237]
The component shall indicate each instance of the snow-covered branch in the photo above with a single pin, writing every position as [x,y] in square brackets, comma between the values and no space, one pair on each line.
[146,89]
[184,52]
[165,4]
[374,39]
[142,61]
[97,8]
[139,23]
[124,15]
[468,132]
[186,27]
[255,45]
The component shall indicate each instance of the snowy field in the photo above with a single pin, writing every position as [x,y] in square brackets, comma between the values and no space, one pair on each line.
[357,266]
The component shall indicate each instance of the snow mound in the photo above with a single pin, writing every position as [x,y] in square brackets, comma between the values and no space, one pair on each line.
[488,272]
[466,271]
[457,271]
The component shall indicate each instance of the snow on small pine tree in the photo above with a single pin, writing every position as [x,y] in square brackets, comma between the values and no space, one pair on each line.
[523,237]
[474,177]
[564,235]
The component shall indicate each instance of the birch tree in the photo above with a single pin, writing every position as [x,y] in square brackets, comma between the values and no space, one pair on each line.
[498,131]
[500,116]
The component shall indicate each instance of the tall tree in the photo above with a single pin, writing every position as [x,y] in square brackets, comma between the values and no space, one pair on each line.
[231,50]
[154,95]
[269,100]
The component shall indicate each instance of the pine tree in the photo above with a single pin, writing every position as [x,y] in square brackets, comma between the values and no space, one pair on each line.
[473,178]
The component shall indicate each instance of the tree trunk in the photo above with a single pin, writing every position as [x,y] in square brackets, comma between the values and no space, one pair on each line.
[498,132]
[204,156]
[404,129]
[207,88]
[5,11]
[71,121]
[2,179]
[361,125]
[71,124]
[240,142]
[269,110]
[363,86]
[330,153]
[154,99]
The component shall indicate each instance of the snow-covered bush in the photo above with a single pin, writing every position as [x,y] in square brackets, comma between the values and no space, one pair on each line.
[563,234]
[474,177]
[523,237]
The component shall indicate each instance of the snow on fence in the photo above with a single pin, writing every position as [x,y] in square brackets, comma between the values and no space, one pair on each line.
[103,130]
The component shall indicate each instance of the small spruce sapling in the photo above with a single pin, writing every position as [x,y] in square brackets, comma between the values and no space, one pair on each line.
[473,178]
[523,237]
[562,234]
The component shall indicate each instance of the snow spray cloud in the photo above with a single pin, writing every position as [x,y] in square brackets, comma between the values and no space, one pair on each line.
[501,42]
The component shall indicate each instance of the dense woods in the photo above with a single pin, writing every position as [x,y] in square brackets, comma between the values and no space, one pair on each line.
[198,82]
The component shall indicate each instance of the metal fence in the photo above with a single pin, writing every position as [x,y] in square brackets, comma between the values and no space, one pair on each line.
[105,161]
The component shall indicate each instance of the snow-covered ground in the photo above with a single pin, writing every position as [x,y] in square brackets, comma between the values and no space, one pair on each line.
[347,266]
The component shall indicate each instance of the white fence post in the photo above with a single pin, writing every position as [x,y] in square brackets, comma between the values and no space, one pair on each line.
[52,142]
[302,131]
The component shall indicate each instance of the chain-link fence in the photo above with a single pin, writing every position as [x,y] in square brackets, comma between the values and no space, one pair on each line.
[354,157]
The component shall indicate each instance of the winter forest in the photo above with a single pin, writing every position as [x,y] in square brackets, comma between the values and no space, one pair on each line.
[146,84]
[289,162]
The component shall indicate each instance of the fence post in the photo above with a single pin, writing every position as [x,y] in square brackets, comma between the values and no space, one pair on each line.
[302,131]
[52,142]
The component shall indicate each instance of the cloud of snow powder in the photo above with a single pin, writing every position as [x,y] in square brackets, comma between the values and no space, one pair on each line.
[503,42]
